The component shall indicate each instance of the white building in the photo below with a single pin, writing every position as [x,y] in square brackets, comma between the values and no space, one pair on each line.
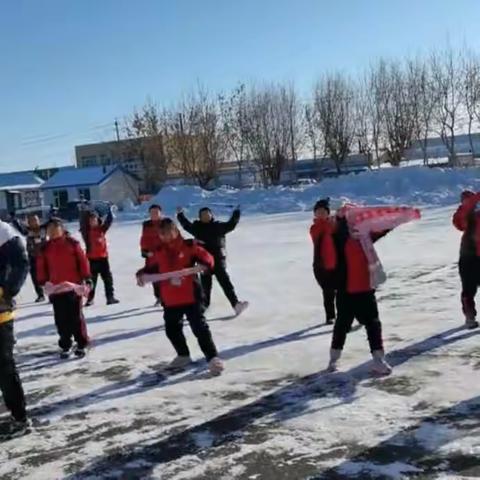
[19,191]
[108,184]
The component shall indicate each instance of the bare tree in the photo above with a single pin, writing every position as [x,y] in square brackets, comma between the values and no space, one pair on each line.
[471,92]
[448,85]
[234,110]
[312,134]
[196,141]
[335,104]
[273,129]
[364,120]
[146,133]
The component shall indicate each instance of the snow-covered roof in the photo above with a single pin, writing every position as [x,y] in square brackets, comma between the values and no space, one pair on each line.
[74,177]
[19,181]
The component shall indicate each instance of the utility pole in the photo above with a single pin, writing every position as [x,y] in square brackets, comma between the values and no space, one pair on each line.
[116,130]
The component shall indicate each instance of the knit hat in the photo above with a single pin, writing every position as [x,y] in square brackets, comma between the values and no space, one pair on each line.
[323,203]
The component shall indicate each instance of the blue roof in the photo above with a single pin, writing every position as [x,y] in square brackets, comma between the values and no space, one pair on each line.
[74,177]
[19,179]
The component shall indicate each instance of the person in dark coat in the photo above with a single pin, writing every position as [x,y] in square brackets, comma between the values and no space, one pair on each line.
[13,272]
[211,233]
[35,234]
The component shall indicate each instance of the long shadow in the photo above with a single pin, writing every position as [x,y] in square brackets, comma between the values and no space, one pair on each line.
[41,331]
[147,380]
[232,426]
[42,314]
[408,446]
[121,315]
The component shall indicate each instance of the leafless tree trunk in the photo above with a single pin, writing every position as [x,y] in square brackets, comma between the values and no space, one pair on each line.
[448,87]
[335,104]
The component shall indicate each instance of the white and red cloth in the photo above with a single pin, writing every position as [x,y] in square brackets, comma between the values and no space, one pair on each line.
[64,287]
[364,221]
[172,276]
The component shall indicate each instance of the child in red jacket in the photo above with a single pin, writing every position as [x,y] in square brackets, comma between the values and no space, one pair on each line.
[150,242]
[63,260]
[324,257]
[467,220]
[182,297]
[355,297]
[94,230]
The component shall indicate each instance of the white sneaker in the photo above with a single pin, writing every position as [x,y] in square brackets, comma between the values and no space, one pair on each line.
[380,365]
[216,366]
[334,358]
[240,307]
[179,362]
[471,323]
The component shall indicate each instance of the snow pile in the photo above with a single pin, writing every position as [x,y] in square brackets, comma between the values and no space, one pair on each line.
[411,185]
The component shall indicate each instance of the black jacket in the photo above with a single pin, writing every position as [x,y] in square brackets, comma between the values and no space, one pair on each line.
[35,238]
[212,234]
[13,265]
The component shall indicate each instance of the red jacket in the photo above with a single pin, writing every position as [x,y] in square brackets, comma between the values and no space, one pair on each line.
[62,260]
[176,256]
[96,243]
[467,220]
[324,255]
[150,239]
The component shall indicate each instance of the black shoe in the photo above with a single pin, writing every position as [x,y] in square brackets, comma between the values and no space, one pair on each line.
[112,301]
[40,299]
[330,321]
[16,428]
[79,352]
[64,354]
[89,303]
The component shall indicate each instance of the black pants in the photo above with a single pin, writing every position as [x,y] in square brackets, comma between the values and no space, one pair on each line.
[329,293]
[10,383]
[69,320]
[220,273]
[469,268]
[360,306]
[33,275]
[101,266]
[174,329]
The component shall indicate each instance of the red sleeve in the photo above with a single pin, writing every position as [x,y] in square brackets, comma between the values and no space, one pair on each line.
[460,217]
[83,263]
[203,256]
[328,252]
[42,272]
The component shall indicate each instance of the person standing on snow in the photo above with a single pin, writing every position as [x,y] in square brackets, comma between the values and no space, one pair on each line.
[93,230]
[211,233]
[355,295]
[35,234]
[13,272]
[182,295]
[467,220]
[62,261]
[324,251]
[150,242]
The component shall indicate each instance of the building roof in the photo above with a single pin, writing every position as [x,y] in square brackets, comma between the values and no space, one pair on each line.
[79,177]
[19,181]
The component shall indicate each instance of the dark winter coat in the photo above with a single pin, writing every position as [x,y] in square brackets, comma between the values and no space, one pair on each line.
[35,238]
[467,220]
[62,260]
[212,234]
[13,269]
[175,256]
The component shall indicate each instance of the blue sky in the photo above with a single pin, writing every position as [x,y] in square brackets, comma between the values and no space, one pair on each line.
[69,67]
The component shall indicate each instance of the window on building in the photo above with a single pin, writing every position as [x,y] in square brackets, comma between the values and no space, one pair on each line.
[89,161]
[60,198]
[84,194]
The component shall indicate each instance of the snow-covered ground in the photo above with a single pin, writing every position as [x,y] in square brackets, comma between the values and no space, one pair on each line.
[274,414]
